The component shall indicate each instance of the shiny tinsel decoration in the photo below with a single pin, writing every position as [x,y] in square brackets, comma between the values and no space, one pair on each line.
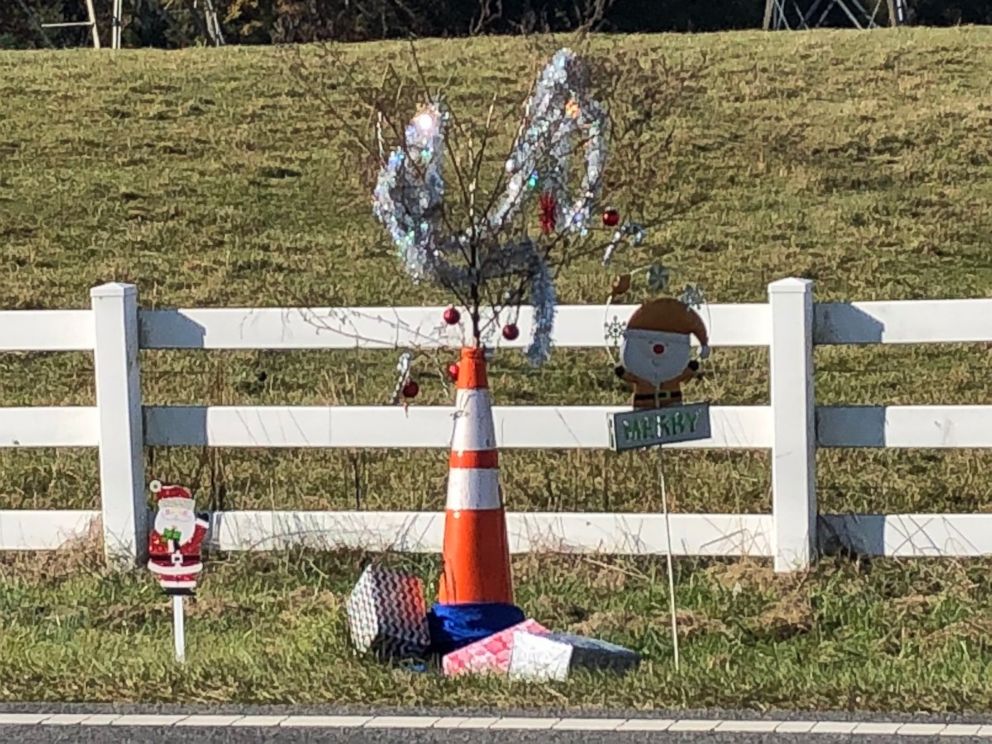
[692,296]
[544,299]
[409,194]
[403,375]
[558,113]
[408,198]
[631,230]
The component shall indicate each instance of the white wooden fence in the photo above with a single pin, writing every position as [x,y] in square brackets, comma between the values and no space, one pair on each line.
[792,427]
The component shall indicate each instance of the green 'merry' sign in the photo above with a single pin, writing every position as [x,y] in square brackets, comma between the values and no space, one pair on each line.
[638,429]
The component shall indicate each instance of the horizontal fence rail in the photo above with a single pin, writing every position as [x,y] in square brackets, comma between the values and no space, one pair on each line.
[66,426]
[46,330]
[903,322]
[931,427]
[517,427]
[898,536]
[792,427]
[576,326]
[421,532]
[51,529]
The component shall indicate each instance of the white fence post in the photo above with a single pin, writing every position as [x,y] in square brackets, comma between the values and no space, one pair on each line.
[118,398]
[794,422]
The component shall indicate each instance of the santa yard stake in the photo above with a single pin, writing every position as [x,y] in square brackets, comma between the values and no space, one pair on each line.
[174,551]
[655,359]
[491,252]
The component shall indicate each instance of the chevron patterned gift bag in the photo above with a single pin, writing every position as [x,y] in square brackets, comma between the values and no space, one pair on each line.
[387,614]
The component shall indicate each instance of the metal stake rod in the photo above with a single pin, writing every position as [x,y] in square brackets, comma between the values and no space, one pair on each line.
[671,569]
[668,547]
[179,627]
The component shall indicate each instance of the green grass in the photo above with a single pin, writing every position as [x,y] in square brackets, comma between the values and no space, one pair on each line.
[892,635]
[213,178]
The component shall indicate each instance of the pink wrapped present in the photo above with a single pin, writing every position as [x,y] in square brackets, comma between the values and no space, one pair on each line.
[491,654]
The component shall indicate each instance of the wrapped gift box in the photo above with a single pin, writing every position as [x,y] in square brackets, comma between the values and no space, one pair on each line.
[555,655]
[387,614]
[491,654]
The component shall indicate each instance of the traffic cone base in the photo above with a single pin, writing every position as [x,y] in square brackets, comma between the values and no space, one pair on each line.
[475,554]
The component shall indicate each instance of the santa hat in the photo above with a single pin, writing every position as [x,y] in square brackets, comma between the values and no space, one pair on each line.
[174,496]
[669,315]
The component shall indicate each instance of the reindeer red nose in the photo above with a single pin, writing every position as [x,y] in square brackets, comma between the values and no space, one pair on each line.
[659,348]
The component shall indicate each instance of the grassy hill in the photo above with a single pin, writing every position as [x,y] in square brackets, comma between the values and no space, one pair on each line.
[215,177]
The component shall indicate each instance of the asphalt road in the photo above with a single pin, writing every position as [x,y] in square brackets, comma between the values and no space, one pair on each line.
[123,735]
[119,724]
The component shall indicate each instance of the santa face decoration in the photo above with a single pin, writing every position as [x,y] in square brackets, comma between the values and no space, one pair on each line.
[174,545]
[175,522]
[654,356]
[655,351]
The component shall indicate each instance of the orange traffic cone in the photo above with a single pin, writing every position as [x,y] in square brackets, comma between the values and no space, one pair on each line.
[476,549]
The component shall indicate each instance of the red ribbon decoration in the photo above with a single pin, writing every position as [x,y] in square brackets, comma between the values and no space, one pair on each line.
[549,209]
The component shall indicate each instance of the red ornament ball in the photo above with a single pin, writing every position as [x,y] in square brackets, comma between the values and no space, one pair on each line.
[611,217]
[510,332]
[411,389]
[452,316]
[453,372]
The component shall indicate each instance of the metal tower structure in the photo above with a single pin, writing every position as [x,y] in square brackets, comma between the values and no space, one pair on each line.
[117,22]
[209,17]
[213,25]
[89,23]
[807,14]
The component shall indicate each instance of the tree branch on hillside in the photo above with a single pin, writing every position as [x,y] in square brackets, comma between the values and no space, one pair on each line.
[590,15]
[33,20]
[489,12]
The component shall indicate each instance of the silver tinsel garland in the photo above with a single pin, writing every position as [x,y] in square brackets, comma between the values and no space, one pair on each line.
[692,296]
[558,111]
[409,194]
[408,197]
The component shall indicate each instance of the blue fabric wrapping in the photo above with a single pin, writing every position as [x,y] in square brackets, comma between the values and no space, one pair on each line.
[454,626]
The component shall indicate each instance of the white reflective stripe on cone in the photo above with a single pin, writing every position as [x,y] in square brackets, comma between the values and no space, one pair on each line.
[473,488]
[474,429]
